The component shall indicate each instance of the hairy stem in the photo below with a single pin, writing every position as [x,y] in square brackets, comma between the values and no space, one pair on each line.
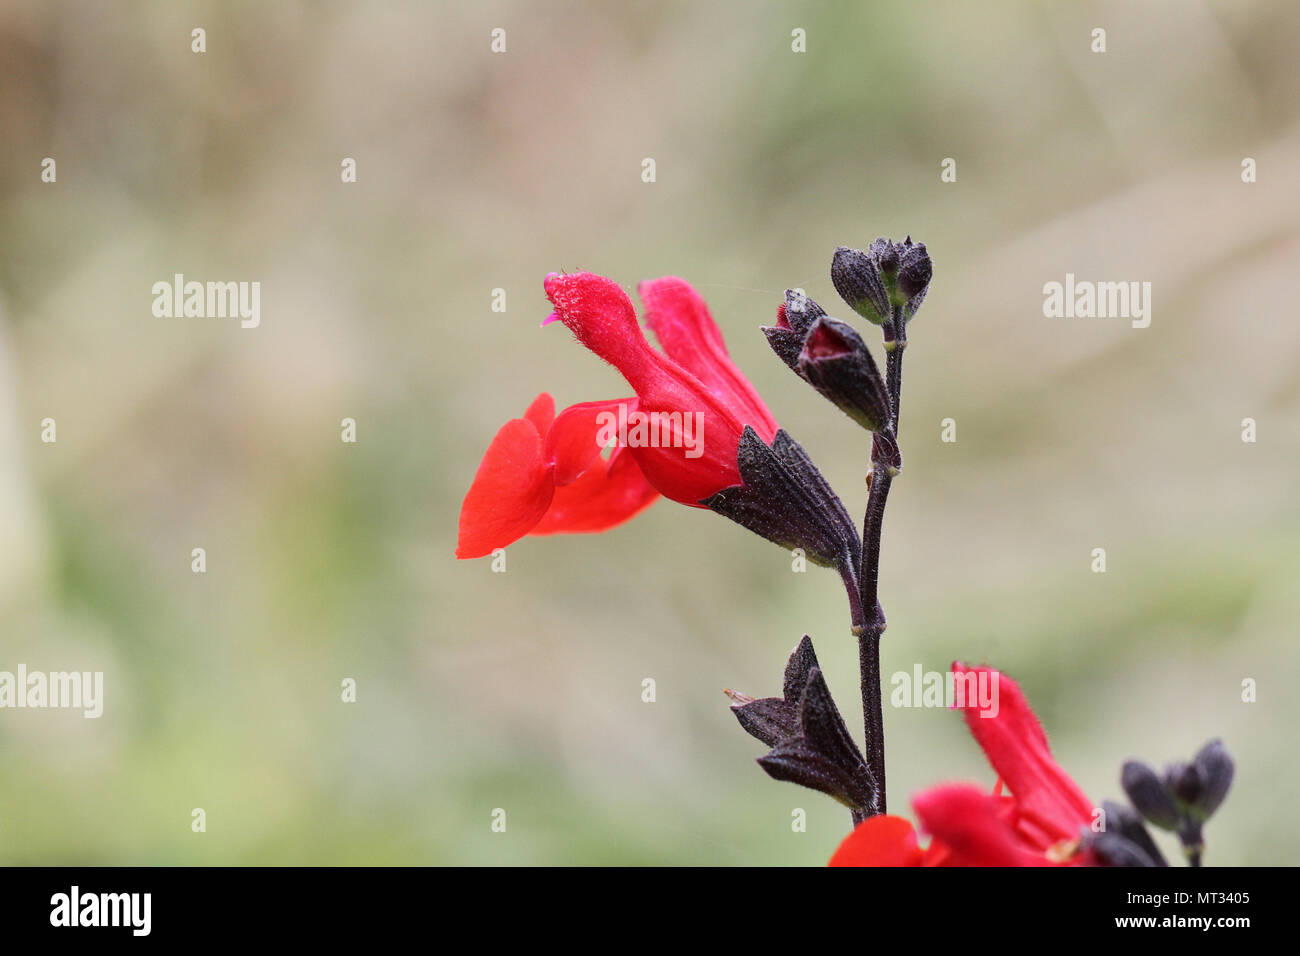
[873,718]
[853,588]
[884,454]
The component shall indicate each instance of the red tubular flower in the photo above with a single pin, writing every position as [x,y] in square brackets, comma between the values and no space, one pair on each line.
[543,474]
[693,376]
[1037,824]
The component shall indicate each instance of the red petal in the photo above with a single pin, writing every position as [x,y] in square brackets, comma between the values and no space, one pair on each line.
[607,494]
[541,413]
[881,840]
[574,440]
[969,825]
[510,493]
[689,336]
[690,481]
[1050,804]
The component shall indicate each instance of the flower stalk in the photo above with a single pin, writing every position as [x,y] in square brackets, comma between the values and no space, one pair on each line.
[885,459]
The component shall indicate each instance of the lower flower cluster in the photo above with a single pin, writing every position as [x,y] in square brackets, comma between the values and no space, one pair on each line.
[1035,814]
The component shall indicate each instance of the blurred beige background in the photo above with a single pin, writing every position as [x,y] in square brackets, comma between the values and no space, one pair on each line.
[479,171]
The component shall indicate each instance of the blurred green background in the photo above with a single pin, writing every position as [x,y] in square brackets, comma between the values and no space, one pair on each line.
[479,171]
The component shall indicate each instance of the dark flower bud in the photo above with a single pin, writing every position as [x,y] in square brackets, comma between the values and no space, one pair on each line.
[888,276]
[857,277]
[794,317]
[832,357]
[784,498]
[1125,841]
[1189,793]
[1149,795]
[885,252]
[810,744]
[823,756]
[1185,781]
[837,363]
[1112,849]
[800,311]
[1201,785]
[914,273]
[785,342]
[1216,770]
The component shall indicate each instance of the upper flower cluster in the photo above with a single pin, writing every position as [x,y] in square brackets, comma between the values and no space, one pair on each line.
[545,473]
[887,281]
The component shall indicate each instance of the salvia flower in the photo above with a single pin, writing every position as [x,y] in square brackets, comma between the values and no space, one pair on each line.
[1041,822]
[702,436]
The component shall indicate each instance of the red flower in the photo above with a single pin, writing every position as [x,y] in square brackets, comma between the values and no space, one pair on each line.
[544,474]
[1037,824]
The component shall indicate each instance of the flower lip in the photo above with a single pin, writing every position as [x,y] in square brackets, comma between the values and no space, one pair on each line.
[543,474]
[835,361]
[825,342]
